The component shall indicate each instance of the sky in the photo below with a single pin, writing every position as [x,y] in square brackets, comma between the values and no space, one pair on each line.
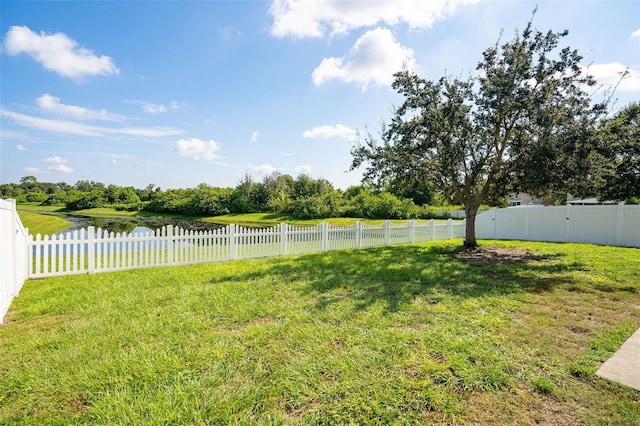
[178,93]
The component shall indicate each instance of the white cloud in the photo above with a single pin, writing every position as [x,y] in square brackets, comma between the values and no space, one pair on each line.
[228,32]
[254,136]
[55,160]
[313,18]
[265,169]
[33,170]
[62,168]
[152,108]
[20,148]
[305,168]
[373,59]
[58,53]
[199,149]
[81,129]
[58,164]
[327,132]
[52,104]
[636,33]
[609,75]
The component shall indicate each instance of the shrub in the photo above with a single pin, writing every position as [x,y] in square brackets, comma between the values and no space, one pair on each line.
[89,200]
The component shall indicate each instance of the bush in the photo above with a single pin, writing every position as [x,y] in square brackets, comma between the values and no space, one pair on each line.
[35,197]
[89,200]
[316,207]
[633,200]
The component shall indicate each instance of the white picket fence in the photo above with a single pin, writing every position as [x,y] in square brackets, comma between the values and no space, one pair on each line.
[90,250]
[13,255]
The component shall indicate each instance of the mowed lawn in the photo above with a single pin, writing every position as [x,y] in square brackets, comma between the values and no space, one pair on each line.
[414,334]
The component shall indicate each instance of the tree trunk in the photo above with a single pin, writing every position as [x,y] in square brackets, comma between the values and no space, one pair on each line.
[470,210]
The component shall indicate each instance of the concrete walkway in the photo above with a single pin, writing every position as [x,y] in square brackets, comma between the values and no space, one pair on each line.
[624,366]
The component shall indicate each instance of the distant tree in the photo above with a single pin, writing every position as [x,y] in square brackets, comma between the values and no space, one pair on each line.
[621,136]
[278,189]
[523,123]
[115,194]
[306,186]
[248,196]
[28,181]
[206,200]
[88,186]
[146,193]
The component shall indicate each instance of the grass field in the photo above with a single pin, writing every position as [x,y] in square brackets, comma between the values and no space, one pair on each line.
[415,334]
[44,224]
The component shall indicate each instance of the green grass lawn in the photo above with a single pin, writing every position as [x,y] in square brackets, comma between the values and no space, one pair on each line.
[414,334]
[44,224]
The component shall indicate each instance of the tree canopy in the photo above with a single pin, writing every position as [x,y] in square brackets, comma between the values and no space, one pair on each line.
[621,137]
[523,122]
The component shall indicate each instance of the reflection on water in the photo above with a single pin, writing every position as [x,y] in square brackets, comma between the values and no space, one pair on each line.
[135,224]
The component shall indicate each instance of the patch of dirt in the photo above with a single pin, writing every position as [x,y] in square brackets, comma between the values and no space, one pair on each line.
[77,405]
[577,329]
[498,255]
[8,318]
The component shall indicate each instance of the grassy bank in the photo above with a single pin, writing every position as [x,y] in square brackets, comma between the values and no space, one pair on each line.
[270,219]
[48,213]
[44,224]
[416,334]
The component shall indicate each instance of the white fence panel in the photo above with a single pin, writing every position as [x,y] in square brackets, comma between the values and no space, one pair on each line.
[301,240]
[13,255]
[543,224]
[627,226]
[606,225]
[91,250]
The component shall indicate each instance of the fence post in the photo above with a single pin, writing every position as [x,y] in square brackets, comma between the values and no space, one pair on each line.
[567,224]
[91,249]
[232,241]
[29,254]
[493,223]
[411,230]
[325,236]
[283,239]
[526,222]
[386,232]
[449,229]
[432,223]
[15,231]
[358,234]
[169,231]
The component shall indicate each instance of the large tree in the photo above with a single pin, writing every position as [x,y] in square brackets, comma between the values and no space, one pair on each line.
[621,137]
[522,122]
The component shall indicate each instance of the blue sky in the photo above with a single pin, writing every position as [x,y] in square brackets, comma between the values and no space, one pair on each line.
[180,93]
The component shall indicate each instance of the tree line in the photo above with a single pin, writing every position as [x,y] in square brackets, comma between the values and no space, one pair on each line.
[303,197]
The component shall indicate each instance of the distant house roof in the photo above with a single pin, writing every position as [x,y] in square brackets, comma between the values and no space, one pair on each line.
[588,201]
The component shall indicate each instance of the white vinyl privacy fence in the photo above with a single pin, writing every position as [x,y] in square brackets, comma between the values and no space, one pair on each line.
[90,250]
[13,255]
[616,225]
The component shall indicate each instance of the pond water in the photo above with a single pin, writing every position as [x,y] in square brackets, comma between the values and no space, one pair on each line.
[134,224]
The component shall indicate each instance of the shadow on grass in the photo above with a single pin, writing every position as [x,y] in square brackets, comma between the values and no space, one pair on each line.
[398,274]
